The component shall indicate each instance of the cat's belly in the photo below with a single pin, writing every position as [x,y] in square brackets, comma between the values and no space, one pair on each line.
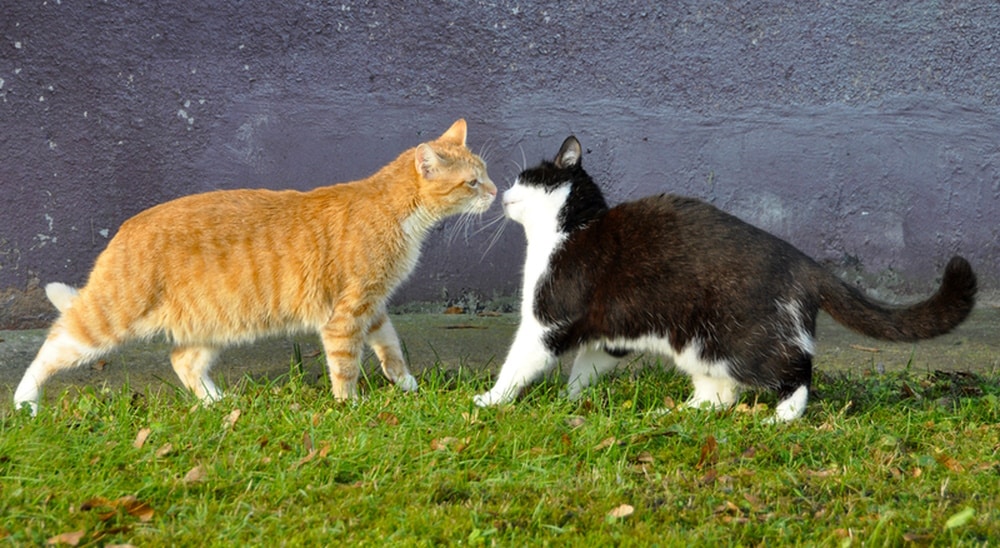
[689,360]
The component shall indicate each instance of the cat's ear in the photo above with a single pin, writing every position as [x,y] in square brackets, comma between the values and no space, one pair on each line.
[456,133]
[569,153]
[426,160]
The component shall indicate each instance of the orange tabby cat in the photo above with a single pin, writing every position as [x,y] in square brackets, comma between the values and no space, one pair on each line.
[225,267]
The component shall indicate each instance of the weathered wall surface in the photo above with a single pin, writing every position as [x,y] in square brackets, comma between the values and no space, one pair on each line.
[863,132]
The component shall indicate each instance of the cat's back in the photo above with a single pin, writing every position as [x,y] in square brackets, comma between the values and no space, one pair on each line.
[220,209]
[694,225]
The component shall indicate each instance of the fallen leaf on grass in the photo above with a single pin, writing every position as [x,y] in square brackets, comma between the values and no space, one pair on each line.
[307,442]
[132,505]
[644,457]
[140,438]
[748,410]
[72,539]
[710,476]
[918,538]
[622,511]
[389,419]
[605,443]
[322,452]
[231,418]
[196,474]
[164,450]
[99,365]
[575,421]
[949,463]
[454,310]
[709,452]
[449,442]
[829,472]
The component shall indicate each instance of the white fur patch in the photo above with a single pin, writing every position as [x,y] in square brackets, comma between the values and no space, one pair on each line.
[793,315]
[793,406]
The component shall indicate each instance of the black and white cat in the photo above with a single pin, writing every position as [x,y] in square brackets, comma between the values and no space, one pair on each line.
[732,305]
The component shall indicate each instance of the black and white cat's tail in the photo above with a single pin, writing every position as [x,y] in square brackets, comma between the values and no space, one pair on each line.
[937,315]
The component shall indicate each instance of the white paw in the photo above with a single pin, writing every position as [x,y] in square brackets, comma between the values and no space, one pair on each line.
[29,404]
[407,383]
[27,395]
[487,399]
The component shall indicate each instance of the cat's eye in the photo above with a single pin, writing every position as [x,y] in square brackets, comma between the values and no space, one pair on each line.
[473,183]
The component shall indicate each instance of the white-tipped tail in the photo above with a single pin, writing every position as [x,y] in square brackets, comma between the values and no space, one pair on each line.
[61,295]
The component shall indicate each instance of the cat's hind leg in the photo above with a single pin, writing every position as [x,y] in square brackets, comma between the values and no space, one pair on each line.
[592,361]
[59,351]
[527,360]
[192,363]
[383,339]
[793,394]
[343,341]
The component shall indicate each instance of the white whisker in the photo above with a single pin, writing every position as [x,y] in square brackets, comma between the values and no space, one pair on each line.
[496,234]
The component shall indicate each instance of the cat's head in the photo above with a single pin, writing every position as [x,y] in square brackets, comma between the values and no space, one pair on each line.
[559,190]
[452,179]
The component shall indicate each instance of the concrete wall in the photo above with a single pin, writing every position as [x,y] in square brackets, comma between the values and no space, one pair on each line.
[864,132]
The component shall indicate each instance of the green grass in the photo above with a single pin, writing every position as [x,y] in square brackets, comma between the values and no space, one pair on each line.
[877,460]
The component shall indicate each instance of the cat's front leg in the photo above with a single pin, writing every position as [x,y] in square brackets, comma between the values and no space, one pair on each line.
[527,360]
[383,339]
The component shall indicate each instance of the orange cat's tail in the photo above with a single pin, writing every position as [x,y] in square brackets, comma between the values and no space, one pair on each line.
[61,295]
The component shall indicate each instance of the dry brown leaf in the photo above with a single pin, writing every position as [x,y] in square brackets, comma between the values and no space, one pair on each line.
[567,441]
[644,457]
[709,452]
[470,418]
[95,502]
[99,365]
[454,310]
[324,449]
[308,458]
[949,463]
[575,421]
[140,438]
[605,443]
[388,418]
[919,538]
[307,442]
[137,508]
[316,419]
[440,444]
[196,474]
[622,511]
[449,443]
[710,476]
[72,539]
[164,450]
[829,472]
[231,418]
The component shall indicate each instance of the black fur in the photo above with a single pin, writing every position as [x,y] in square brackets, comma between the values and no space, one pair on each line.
[678,267]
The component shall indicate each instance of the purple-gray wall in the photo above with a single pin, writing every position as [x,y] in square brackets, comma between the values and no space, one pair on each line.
[864,132]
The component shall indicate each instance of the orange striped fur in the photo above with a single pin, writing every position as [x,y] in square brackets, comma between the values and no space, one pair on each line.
[224,267]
